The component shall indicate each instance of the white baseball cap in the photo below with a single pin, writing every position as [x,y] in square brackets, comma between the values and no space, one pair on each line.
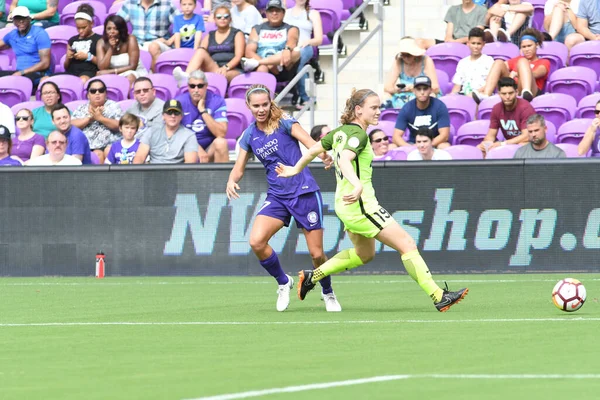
[21,11]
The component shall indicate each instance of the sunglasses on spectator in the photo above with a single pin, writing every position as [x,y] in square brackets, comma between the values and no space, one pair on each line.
[199,85]
[22,118]
[57,142]
[222,16]
[99,90]
[173,112]
[596,112]
[383,139]
[144,90]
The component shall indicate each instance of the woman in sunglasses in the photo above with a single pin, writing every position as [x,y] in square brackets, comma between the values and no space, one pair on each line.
[381,143]
[98,119]
[42,118]
[27,143]
[220,51]
[591,139]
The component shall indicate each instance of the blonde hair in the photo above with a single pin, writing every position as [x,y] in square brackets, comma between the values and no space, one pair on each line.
[275,113]
[357,98]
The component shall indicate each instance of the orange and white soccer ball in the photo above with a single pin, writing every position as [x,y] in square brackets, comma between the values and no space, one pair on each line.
[568,294]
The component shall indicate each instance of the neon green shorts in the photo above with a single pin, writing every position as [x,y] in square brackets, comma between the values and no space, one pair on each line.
[366,224]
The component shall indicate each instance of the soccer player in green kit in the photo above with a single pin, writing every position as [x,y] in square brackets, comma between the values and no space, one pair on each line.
[358,208]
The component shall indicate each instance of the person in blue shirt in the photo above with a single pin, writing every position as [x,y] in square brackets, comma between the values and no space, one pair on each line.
[31,45]
[273,138]
[77,143]
[426,111]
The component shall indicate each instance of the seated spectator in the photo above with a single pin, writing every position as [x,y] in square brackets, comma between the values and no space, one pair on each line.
[588,21]
[6,118]
[271,45]
[171,143]
[98,119]
[425,111]
[538,146]
[560,20]
[42,118]
[220,51]
[118,51]
[528,71]
[508,21]
[147,107]
[6,160]
[425,150]
[380,142]
[318,131]
[472,71]
[57,145]
[205,113]
[510,116]
[310,27]
[460,19]
[77,144]
[124,150]
[82,60]
[150,20]
[31,45]
[2,14]
[44,13]
[27,143]
[409,63]
[590,138]
[244,16]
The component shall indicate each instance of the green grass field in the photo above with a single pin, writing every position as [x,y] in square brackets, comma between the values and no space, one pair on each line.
[191,338]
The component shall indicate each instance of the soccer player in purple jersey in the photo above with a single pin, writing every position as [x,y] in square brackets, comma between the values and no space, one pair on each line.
[273,138]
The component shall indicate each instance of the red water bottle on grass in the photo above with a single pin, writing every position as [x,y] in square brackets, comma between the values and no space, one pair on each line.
[100,265]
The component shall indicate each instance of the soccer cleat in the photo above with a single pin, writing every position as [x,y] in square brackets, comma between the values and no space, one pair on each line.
[180,76]
[450,298]
[283,294]
[527,95]
[249,64]
[331,302]
[305,284]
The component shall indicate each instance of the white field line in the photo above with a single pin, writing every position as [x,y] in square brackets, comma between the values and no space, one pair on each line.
[328,385]
[356,322]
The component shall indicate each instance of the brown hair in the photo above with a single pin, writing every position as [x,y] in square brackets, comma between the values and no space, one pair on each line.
[275,113]
[27,110]
[357,98]
[532,32]
[129,119]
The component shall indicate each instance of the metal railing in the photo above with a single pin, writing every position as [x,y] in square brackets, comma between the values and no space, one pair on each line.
[310,105]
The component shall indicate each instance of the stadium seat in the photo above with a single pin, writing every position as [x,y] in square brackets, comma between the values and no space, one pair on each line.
[94,158]
[99,29]
[586,54]
[460,108]
[331,16]
[572,131]
[167,61]
[71,87]
[555,52]
[502,152]
[238,117]
[389,114]
[73,105]
[464,152]
[446,56]
[571,150]
[241,83]
[485,107]
[59,39]
[217,83]
[575,81]
[146,58]
[115,8]
[15,89]
[500,50]
[444,82]
[117,86]
[30,105]
[67,16]
[125,104]
[537,21]
[386,126]
[397,154]
[164,84]
[587,105]
[555,107]
[472,133]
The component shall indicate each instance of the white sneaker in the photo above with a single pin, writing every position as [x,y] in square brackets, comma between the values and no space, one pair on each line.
[180,76]
[479,96]
[331,302]
[283,294]
[249,64]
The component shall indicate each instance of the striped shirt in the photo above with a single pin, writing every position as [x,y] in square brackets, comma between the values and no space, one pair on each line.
[151,24]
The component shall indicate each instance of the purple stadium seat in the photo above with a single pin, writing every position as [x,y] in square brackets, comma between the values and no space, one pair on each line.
[537,21]
[239,117]
[30,105]
[586,54]
[217,83]
[447,55]
[397,154]
[386,126]
[572,151]
[98,29]
[70,87]
[485,107]
[115,8]
[501,51]
[331,15]
[555,52]
[164,84]
[587,105]
[572,131]
[7,56]
[550,132]
[464,152]
[72,105]
[167,61]
[118,86]
[15,89]
[94,158]
[67,16]
[59,37]
[125,104]
[146,58]
[472,133]
[444,81]
[575,81]
[555,107]
[503,152]
[346,4]
[389,114]
[460,108]
[241,83]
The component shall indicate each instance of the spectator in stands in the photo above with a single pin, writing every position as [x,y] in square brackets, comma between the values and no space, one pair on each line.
[507,21]
[171,143]
[560,20]
[510,116]
[472,71]
[118,51]
[425,150]
[271,45]
[528,71]
[44,13]
[591,135]
[220,51]
[78,145]
[380,142]
[82,60]
[42,117]
[409,63]
[6,160]
[424,111]
[57,146]
[310,27]
[538,146]
[318,131]
[244,16]
[31,45]
[205,113]
[150,20]
[588,20]
[98,119]
[460,19]
[2,13]
[147,107]
[6,117]
[27,143]
[212,5]
[123,151]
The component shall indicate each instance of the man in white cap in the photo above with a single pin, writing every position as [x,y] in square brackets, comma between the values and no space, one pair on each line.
[31,46]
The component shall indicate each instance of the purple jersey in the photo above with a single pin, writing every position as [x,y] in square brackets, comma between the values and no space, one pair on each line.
[122,155]
[215,106]
[10,162]
[279,147]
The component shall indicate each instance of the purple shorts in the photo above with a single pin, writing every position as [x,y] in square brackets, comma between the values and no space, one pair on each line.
[307,210]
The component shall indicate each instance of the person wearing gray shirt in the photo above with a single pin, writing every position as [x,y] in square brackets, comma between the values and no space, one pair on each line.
[170,143]
[538,146]
[146,107]
[588,20]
